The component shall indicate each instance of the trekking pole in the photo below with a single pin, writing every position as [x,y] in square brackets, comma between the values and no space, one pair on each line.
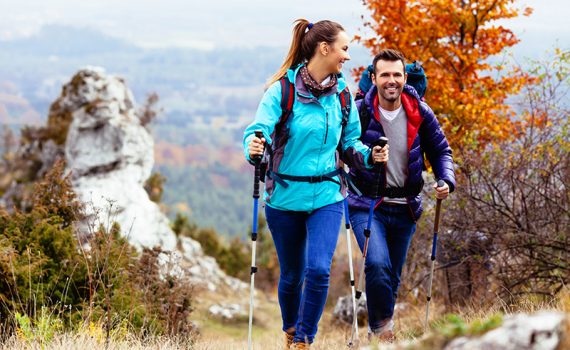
[382,141]
[440,183]
[256,176]
[354,333]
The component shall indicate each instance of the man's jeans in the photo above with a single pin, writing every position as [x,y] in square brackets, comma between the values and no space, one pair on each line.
[391,232]
[305,244]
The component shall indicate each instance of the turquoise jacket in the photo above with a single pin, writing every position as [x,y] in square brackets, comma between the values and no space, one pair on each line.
[314,131]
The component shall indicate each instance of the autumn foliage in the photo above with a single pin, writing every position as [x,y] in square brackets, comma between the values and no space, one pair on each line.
[455,39]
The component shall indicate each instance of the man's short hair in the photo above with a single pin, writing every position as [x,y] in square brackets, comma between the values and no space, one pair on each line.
[389,55]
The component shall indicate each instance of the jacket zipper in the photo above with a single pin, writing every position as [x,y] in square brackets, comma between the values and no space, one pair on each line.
[326,126]
[320,154]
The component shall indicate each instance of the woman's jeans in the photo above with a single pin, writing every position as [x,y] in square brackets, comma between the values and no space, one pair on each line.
[305,244]
[390,236]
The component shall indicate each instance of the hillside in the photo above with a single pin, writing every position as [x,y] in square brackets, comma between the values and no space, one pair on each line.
[206,99]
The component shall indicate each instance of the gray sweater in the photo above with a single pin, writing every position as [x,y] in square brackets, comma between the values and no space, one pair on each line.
[396,131]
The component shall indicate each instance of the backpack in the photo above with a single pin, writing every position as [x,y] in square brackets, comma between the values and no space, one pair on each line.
[416,79]
[287,101]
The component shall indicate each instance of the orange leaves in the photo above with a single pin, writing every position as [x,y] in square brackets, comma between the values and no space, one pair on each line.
[528,11]
[455,39]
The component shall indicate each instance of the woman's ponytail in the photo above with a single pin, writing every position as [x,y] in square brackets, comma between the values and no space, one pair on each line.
[295,55]
[306,38]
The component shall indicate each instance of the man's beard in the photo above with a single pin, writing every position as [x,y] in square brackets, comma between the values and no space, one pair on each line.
[392,98]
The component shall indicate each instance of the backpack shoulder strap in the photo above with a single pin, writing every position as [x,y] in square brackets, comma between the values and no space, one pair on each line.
[364,116]
[280,131]
[345,104]
[287,99]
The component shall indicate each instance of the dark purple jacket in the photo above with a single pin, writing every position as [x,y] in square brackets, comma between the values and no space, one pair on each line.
[424,136]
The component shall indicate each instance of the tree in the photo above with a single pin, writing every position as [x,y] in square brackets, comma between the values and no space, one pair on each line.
[150,111]
[504,232]
[513,212]
[456,41]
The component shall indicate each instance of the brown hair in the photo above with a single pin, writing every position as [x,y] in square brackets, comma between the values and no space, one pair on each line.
[389,55]
[304,43]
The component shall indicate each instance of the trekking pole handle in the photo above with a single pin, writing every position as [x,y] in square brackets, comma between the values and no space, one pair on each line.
[382,141]
[440,183]
[259,135]
[257,160]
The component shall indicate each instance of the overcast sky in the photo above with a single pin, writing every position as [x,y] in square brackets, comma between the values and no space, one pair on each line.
[227,23]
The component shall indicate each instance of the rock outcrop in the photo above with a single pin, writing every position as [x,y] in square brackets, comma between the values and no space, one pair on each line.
[109,154]
[542,331]
[545,330]
[227,312]
[343,310]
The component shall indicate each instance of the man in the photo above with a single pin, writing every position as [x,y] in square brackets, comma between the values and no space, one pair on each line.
[397,113]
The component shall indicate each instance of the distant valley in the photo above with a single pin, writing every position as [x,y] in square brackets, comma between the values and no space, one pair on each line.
[206,98]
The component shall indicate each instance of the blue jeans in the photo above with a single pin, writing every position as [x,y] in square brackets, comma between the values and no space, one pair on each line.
[390,236]
[305,244]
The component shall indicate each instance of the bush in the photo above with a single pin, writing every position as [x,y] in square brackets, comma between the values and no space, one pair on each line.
[235,258]
[154,186]
[508,222]
[100,278]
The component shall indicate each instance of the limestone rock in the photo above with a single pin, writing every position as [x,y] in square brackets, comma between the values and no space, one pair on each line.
[343,310]
[110,154]
[542,331]
[227,312]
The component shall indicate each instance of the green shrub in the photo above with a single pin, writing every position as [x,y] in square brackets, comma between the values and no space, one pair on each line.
[235,258]
[98,279]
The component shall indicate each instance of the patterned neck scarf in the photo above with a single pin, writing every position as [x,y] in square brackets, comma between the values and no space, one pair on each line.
[315,88]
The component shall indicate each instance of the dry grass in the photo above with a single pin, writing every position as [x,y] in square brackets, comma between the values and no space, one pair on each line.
[83,341]
[564,305]
[217,335]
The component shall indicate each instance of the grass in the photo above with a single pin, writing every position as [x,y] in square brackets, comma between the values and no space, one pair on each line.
[267,335]
[469,321]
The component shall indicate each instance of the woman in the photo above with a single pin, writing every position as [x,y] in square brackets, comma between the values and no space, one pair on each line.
[303,185]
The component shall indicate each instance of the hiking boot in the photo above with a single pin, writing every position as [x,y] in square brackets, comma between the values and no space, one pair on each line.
[386,337]
[288,340]
[300,346]
[384,334]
